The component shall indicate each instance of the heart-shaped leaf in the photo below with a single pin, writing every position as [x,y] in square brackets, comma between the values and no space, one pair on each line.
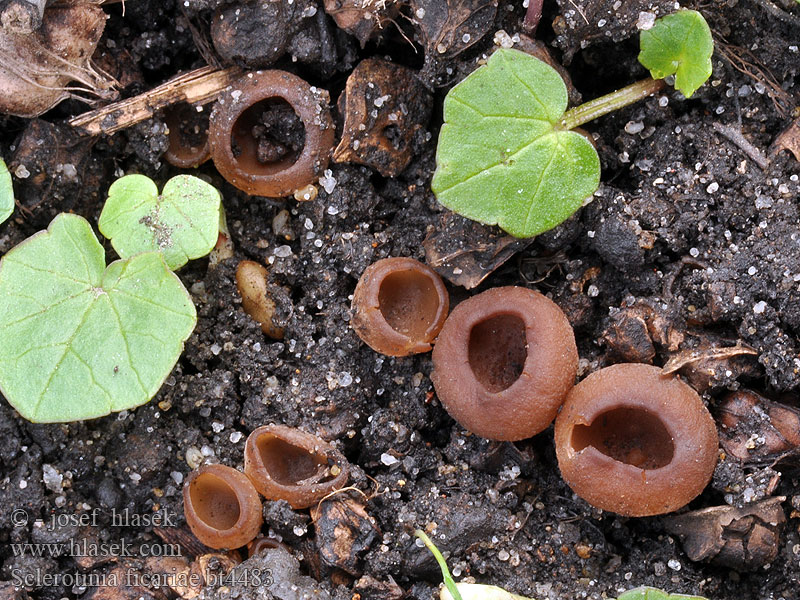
[182,223]
[679,44]
[503,157]
[79,339]
[6,192]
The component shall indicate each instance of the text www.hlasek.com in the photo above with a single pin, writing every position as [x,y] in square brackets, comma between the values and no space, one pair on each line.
[86,548]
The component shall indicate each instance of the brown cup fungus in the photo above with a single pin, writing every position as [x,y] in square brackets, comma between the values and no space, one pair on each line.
[399,306]
[222,507]
[271,133]
[504,362]
[633,441]
[285,463]
[188,136]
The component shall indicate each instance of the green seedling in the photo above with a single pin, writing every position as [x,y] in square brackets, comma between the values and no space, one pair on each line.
[81,339]
[6,192]
[182,222]
[477,591]
[507,152]
[679,44]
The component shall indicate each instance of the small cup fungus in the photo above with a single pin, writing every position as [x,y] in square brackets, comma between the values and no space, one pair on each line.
[258,144]
[261,544]
[285,463]
[504,362]
[399,306]
[222,507]
[635,442]
[188,136]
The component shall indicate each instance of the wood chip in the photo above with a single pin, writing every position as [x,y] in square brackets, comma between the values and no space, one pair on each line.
[200,86]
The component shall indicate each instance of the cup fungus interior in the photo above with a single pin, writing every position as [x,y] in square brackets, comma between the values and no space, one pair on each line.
[215,502]
[288,464]
[630,435]
[409,302]
[267,137]
[498,351]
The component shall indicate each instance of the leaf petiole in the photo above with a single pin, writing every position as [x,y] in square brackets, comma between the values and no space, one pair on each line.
[448,579]
[603,105]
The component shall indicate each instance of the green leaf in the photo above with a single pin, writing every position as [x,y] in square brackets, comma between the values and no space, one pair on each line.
[79,339]
[6,192]
[650,593]
[503,157]
[182,223]
[679,44]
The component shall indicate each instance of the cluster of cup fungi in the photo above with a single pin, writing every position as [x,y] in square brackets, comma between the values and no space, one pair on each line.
[629,439]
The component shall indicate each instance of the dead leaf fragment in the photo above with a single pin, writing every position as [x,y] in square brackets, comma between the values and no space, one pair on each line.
[465,252]
[362,18]
[755,429]
[789,139]
[36,69]
[344,532]
[451,26]
[707,365]
[385,106]
[737,538]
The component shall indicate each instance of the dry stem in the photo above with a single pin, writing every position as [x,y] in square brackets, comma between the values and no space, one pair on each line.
[195,87]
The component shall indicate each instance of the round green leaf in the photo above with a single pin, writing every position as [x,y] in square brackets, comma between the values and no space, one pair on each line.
[503,157]
[6,192]
[182,223]
[79,339]
[679,44]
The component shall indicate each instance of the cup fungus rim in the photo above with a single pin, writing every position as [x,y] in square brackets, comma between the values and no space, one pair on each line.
[546,377]
[304,99]
[647,492]
[486,312]
[321,448]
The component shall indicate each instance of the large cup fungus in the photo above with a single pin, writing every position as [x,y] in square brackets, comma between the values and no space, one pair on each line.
[635,442]
[504,362]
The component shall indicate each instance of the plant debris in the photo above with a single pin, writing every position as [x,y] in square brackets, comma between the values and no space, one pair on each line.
[36,68]
[738,538]
[386,110]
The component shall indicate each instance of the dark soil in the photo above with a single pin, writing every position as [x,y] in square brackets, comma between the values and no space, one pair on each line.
[685,228]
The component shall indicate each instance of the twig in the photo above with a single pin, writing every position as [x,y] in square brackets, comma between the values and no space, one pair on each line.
[778,12]
[195,87]
[735,136]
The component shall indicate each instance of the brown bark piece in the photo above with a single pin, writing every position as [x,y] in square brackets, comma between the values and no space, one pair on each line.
[344,532]
[466,252]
